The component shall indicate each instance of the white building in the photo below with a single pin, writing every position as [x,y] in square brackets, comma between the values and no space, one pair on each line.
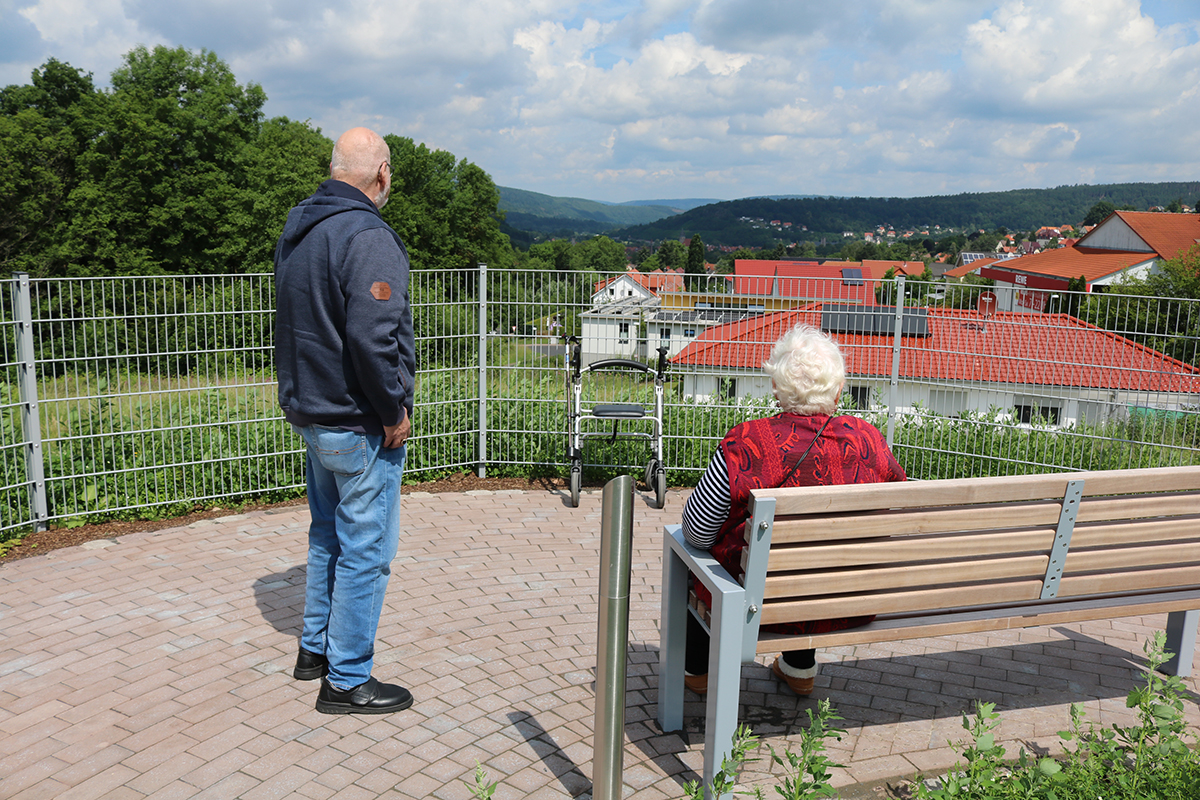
[953,361]
[1127,243]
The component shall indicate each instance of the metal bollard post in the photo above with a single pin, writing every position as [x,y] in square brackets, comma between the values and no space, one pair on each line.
[612,642]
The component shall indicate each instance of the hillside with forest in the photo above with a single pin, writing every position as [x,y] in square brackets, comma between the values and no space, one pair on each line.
[746,222]
[541,213]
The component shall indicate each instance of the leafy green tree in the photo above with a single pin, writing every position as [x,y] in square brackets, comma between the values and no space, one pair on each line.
[1155,317]
[278,168]
[598,254]
[694,269]
[155,188]
[36,175]
[1099,212]
[44,126]
[445,210]
[672,254]
[552,255]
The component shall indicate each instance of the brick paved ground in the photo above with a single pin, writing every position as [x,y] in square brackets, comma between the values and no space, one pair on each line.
[158,666]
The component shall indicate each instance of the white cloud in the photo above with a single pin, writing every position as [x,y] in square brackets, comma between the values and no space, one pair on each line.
[638,98]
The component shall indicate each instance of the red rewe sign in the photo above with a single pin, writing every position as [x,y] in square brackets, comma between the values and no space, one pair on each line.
[1024,281]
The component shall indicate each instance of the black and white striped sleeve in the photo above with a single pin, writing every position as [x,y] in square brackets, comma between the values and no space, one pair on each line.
[708,506]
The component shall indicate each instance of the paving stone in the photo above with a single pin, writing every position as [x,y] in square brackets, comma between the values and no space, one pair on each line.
[167,657]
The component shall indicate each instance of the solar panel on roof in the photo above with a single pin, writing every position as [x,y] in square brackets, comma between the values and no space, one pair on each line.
[873,320]
[852,276]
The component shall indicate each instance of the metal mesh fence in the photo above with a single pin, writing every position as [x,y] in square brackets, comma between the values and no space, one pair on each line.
[157,394]
[15,482]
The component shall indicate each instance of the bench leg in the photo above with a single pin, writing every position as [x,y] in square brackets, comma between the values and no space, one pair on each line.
[672,637]
[724,682]
[1181,640]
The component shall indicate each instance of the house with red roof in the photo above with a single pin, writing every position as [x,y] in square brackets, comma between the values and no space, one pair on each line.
[627,317]
[1127,243]
[785,284]
[954,361]
[637,284]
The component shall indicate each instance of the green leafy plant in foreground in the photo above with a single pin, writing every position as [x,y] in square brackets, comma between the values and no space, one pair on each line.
[1148,760]
[725,779]
[806,772]
[482,790]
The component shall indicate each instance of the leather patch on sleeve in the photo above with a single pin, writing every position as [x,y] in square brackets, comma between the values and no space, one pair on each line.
[380,290]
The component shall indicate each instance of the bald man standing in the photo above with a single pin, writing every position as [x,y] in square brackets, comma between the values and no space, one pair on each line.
[346,364]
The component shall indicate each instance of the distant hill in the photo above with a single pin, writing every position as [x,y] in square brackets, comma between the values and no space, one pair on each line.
[541,213]
[741,222]
[678,205]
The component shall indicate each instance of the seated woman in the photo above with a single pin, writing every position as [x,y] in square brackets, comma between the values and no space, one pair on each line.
[803,446]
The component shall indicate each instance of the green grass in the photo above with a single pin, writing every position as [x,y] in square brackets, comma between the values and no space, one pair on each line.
[148,447]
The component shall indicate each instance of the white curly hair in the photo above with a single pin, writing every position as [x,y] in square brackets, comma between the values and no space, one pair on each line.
[807,370]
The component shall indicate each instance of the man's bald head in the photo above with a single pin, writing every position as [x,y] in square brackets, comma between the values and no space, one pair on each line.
[362,159]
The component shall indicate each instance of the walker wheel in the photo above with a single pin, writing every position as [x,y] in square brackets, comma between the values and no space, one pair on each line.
[576,482]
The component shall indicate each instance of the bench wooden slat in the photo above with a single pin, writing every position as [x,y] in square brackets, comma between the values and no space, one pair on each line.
[945,597]
[913,574]
[900,628]
[857,497]
[902,549]
[919,600]
[863,525]
[906,549]
[1126,557]
[1136,580]
[885,578]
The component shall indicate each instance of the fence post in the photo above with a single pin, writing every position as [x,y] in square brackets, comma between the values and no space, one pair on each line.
[35,470]
[612,637]
[894,389]
[481,469]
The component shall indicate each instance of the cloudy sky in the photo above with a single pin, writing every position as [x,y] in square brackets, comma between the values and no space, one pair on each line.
[622,100]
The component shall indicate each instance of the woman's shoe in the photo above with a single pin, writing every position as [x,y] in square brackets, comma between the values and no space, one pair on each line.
[799,681]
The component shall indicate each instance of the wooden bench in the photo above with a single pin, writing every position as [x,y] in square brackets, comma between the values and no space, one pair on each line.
[933,558]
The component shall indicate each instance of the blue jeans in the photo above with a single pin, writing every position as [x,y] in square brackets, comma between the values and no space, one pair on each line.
[354,501]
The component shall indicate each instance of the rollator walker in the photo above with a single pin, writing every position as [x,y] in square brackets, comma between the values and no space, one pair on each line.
[578,413]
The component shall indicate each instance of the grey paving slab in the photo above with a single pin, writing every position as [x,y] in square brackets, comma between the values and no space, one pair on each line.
[159,665]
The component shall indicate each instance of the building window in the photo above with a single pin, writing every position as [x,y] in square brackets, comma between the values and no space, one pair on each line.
[946,402]
[624,333]
[664,335]
[1027,412]
[691,334]
[727,388]
[859,395]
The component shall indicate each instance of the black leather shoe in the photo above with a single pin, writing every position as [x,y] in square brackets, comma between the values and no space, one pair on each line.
[371,697]
[310,666]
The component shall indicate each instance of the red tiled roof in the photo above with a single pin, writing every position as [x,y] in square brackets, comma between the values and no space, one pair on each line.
[966,269]
[656,282]
[1167,234]
[1011,348]
[875,269]
[1071,262]
[808,280]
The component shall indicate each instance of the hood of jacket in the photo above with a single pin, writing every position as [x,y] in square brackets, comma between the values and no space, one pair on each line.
[333,197]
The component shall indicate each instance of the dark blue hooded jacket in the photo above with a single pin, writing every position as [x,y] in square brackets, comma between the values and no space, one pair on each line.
[344,347]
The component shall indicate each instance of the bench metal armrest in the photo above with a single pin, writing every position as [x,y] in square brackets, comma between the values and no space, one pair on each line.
[726,633]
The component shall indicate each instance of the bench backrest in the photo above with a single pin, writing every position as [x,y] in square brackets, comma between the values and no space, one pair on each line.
[825,552]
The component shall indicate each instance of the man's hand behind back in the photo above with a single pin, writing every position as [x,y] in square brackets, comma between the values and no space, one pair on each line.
[395,435]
